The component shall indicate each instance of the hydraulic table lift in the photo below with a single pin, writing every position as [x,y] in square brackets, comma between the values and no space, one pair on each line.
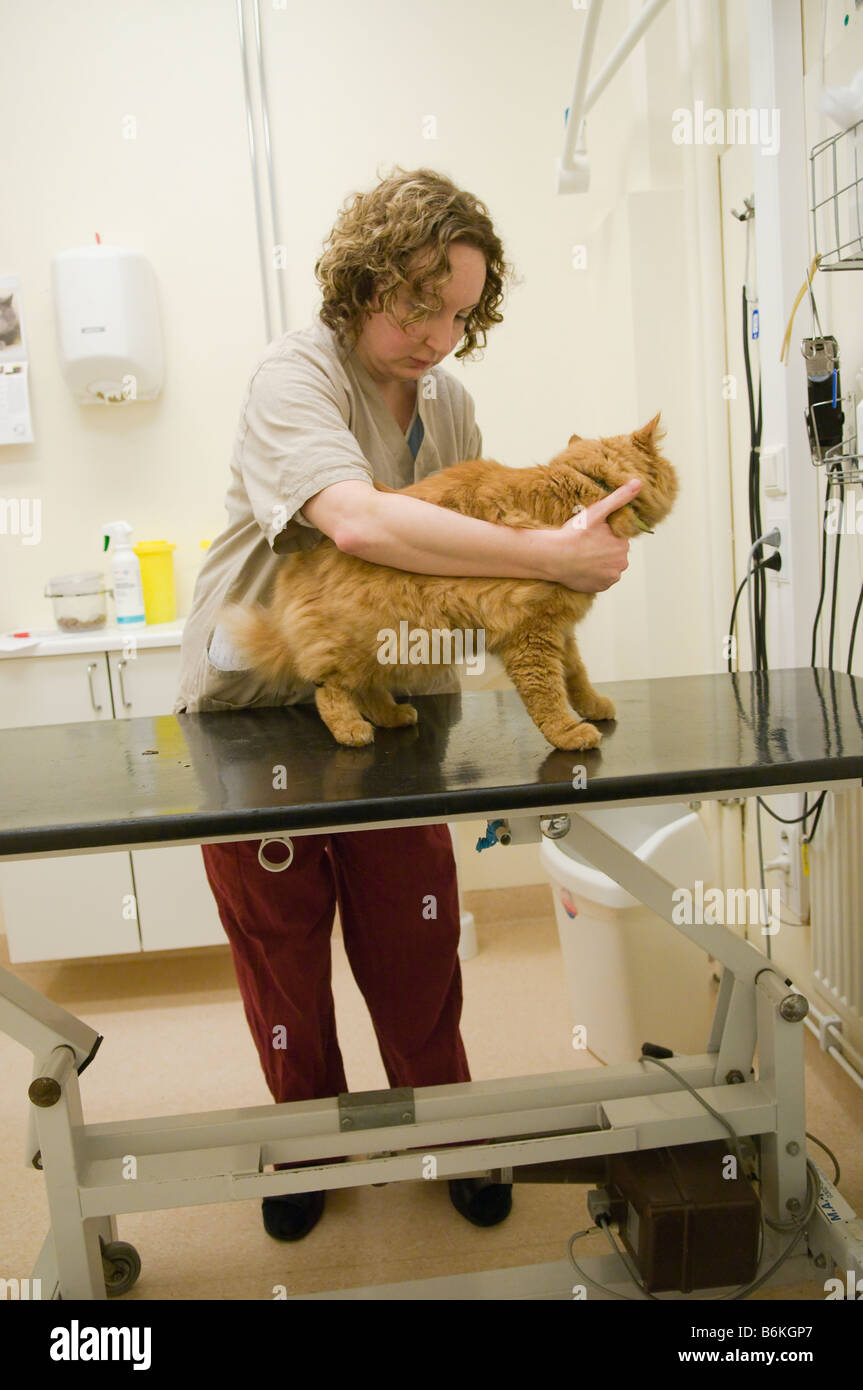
[191,779]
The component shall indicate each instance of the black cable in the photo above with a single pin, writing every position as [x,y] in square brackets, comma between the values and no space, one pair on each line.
[836,574]
[807,839]
[823,572]
[793,820]
[747,366]
[750,400]
[759,656]
[773,563]
[854,630]
[837,1173]
[744,581]
[761,581]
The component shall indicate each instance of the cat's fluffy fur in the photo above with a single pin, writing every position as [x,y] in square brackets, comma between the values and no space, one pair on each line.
[328,609]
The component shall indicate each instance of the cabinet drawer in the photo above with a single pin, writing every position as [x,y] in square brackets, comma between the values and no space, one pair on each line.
[54,690]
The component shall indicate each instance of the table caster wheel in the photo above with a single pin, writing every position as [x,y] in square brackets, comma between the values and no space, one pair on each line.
[121,1265]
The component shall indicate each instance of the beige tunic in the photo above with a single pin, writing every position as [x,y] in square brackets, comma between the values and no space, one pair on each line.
[312,416]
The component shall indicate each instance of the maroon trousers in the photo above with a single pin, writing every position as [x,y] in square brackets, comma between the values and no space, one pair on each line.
[398,904]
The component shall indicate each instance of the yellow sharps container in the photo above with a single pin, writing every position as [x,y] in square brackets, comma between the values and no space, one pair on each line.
[157,580]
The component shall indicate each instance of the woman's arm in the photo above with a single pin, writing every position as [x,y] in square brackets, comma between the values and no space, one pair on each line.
[410,534]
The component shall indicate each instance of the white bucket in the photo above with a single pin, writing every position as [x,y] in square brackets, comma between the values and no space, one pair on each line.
[632,977]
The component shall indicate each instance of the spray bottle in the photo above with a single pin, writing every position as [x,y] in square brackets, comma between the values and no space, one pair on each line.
[126,574]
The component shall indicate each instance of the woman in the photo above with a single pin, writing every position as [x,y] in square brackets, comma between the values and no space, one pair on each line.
[409,271]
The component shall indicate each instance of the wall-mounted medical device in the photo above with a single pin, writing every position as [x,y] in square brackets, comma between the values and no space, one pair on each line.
[825,418]
[108,325]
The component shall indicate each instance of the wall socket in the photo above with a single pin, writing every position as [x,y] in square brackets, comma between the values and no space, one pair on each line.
[792,882]
[797,898]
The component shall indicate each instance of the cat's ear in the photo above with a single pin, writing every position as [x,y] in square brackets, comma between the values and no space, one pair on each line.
[575,438]
[648,436]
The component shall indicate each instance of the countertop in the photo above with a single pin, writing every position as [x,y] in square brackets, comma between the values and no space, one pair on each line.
[111,638]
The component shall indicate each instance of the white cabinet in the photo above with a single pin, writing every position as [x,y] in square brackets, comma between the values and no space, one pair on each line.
[109,903]
[175,905]
[62,909]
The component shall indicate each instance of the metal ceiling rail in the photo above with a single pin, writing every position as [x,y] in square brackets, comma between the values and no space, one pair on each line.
[573,168]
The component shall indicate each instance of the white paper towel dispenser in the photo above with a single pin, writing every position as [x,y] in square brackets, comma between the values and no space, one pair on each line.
[108,325]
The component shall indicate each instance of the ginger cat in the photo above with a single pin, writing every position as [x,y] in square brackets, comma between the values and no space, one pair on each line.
[328,610]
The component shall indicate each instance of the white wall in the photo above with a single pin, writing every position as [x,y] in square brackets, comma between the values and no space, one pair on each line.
[349,86]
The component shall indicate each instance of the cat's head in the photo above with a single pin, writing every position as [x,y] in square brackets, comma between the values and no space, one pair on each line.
[613,461]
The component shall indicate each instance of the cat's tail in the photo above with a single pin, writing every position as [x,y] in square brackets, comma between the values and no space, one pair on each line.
[256,634]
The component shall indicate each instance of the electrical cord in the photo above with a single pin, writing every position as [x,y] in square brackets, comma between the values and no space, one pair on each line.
[759,655]
[735,1142]
[807,839]
[768,949]
[830,1154]
[621,1297]
[798,820]
[795,1225]
[811,1177]
[773,563]
[854,630]
[757,628]
[817,618]
[815,811]
[792,820]
[835,577]
[832,481]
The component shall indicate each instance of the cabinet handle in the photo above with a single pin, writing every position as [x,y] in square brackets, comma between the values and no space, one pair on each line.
[127,703]
[90,669]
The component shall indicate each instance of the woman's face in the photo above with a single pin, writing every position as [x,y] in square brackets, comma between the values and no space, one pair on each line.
[390,353]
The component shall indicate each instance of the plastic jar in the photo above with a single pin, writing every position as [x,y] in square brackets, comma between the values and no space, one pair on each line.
[79,600]
[157,580]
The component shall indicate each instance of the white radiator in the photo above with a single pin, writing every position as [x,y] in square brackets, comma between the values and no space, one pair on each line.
[836,899]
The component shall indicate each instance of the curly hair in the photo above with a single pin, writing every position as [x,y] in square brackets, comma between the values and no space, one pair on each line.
[372,249]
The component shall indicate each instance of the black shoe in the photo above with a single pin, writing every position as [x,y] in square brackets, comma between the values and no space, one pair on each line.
[292,1215]
[483,1203]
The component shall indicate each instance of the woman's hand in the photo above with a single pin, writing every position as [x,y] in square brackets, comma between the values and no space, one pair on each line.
[585,554]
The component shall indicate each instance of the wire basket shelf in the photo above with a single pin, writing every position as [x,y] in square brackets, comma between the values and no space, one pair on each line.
[836,169]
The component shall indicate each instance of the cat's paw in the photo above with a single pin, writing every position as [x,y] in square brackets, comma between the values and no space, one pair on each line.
[357,734]
[404,714]
[573,736]
[395,718]
[595,707]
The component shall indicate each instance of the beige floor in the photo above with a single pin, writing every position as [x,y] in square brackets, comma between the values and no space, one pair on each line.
[175,1039]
